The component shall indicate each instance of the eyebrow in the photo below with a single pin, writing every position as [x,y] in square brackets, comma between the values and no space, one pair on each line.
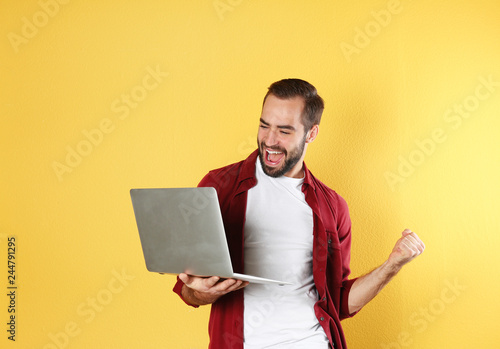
[283,127]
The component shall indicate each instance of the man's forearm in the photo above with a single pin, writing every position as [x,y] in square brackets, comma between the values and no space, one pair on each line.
[366,287]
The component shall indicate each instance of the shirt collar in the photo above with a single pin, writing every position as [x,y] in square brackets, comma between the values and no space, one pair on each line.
[308,179]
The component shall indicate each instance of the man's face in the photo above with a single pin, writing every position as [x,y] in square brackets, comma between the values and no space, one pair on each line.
[281,137]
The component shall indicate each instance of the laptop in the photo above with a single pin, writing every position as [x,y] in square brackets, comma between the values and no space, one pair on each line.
[181,231]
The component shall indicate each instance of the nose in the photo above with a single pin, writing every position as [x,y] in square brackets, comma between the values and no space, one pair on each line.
[271,138]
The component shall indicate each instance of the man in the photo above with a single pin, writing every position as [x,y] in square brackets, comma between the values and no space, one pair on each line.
[283,223]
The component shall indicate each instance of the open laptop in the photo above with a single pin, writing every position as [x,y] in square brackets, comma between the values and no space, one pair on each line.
[181,231]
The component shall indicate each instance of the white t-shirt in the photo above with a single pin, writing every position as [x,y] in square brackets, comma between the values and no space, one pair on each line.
[278,245]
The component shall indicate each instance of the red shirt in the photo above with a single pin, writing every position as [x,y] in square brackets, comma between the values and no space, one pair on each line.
[331,252]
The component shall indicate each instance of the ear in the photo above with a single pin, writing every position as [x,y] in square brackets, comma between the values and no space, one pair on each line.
[312,134]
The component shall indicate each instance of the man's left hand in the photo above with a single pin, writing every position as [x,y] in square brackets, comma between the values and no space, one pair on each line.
[407,248]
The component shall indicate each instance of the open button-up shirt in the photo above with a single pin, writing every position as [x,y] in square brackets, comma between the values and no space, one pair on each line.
[331,252]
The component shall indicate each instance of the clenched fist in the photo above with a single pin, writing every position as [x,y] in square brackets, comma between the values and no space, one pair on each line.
[407,248]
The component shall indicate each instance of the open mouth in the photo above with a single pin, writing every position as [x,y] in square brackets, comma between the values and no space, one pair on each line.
[273,157]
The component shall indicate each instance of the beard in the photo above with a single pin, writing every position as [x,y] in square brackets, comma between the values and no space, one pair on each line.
[291,159]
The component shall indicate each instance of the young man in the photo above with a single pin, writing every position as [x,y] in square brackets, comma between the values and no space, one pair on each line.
[283,223]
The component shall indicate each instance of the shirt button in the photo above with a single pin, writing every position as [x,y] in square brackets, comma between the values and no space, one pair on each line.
[322,318]
[324,298]
[330,241]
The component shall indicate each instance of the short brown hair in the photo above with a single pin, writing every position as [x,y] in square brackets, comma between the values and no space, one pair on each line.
[313,103]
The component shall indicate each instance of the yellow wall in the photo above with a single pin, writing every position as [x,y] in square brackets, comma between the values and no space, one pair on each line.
[167,90]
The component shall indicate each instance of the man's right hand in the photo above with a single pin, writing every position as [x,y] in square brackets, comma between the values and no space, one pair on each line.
[206,290]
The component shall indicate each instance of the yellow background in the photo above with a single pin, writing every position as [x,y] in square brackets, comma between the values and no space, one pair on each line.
[65,70]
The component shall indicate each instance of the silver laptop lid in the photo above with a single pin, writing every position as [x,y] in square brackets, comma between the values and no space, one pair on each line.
[181,231]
